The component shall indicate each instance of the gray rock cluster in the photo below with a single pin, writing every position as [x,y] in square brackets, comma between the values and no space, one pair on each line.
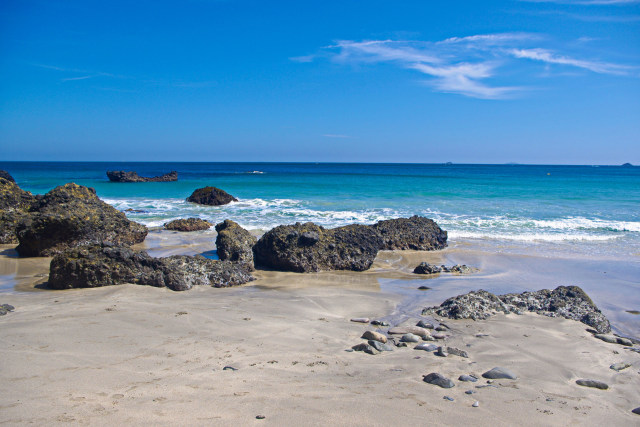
[106,265]
[6,308]
[570,302]
[123,176]
[188,224]
[426,268]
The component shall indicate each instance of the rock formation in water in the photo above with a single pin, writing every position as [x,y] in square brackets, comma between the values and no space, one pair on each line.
[234,243]
[310,247]
[72,215]
[211,196]
[415,233]
[123,176]
[106,265]
[189,224]
[570,302]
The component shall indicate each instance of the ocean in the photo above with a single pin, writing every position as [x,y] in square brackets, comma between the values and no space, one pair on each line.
[586,210]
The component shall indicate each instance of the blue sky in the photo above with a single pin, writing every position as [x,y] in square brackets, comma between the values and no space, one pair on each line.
[376,81]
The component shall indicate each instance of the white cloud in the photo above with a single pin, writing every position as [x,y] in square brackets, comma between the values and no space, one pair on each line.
[550,58]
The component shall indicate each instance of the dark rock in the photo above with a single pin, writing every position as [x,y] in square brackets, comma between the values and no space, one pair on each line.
[469,378]
[620,366]
[379,323]
[380,346]
[189,224]
[569,302]
[426,347]
[627,165]
[15,204]
[624,341]
[6,175]
[104,265]
[441,352]
[438,379]
[122,176]
[424,324]
[450,399]
[309,238]
[353,247]
[70,216]
[469,392]
[366,348]
[440,328]
[462,269]
[6,308]
[229,368]
[606,338]
[426,268]
[636,411]
[234,243]
[593,384]
[423,288]
[416,233]
[410,338]
[499,373]
[211,196]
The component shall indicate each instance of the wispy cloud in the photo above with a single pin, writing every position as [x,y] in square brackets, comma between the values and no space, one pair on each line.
[85,74]
[468,65]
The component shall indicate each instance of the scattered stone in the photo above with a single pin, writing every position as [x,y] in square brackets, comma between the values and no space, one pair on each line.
[401,330]
[229,368]
[415,233]
[426,268]
[450,399]
[260,417]
[352,247]
[72,216]
[365,347]
[375,336]
[481,335]
[490,381]
[499,373]
[426,347]
[122,176]
[476,404]
[211,196]
[462,269]
[189,224]
[469,392]
[440,328]
[606,338]
[469,378]
[401,344]
[624,341]
[380,346]
[438,379]
[410,338]
[360,319]
[441,352]
[423,324]
[106,265]
[636,411]
[593,384]
[457,352]
[379,323]
[424,288]
[6,308]
[234,243]
[620,366]
[636,312]
[439,336]
[569,302]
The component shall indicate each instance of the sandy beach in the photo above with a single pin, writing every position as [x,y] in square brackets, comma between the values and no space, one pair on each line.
[139,355]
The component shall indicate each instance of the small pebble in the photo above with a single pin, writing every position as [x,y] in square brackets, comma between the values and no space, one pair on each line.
[438,379]
[360,319]
[410,338]
[450,399]
[498,373]
[441,352]
[469,378]
[424,324]
[260,417]
[366,348]
[593,384]
[550,399]
[375,336]
[426,347]
[636,411]
[379,323]
[619,366]
[424,288]
[229,368]
[457,352]
[469,392]
[476,404]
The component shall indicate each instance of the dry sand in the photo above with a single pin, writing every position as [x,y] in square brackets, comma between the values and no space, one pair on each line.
[135,355]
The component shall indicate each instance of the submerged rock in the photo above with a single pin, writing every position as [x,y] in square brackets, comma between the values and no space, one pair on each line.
[105,265]
[426,268]
[189,224]
[72,215]
[416,233]
[295,248]
[569,302]
[211,196]
[234,243]
[122,176]
[15,204]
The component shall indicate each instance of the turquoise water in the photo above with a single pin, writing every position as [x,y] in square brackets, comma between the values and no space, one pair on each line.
[576,209]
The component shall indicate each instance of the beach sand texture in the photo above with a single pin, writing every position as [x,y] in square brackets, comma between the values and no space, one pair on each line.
[136,355]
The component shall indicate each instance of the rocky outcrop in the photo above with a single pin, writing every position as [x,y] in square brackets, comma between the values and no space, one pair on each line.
[72,215]
[106,265]
[426,268]
[211,196]
[310,247]
[570,302]
[14,207]
[415,233]
[234,243]
[6,175]
[189,224]
[123,176]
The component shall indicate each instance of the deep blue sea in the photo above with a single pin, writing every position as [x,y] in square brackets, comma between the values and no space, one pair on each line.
[591,210]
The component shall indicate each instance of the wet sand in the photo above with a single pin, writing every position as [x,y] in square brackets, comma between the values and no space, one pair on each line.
[139,355]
